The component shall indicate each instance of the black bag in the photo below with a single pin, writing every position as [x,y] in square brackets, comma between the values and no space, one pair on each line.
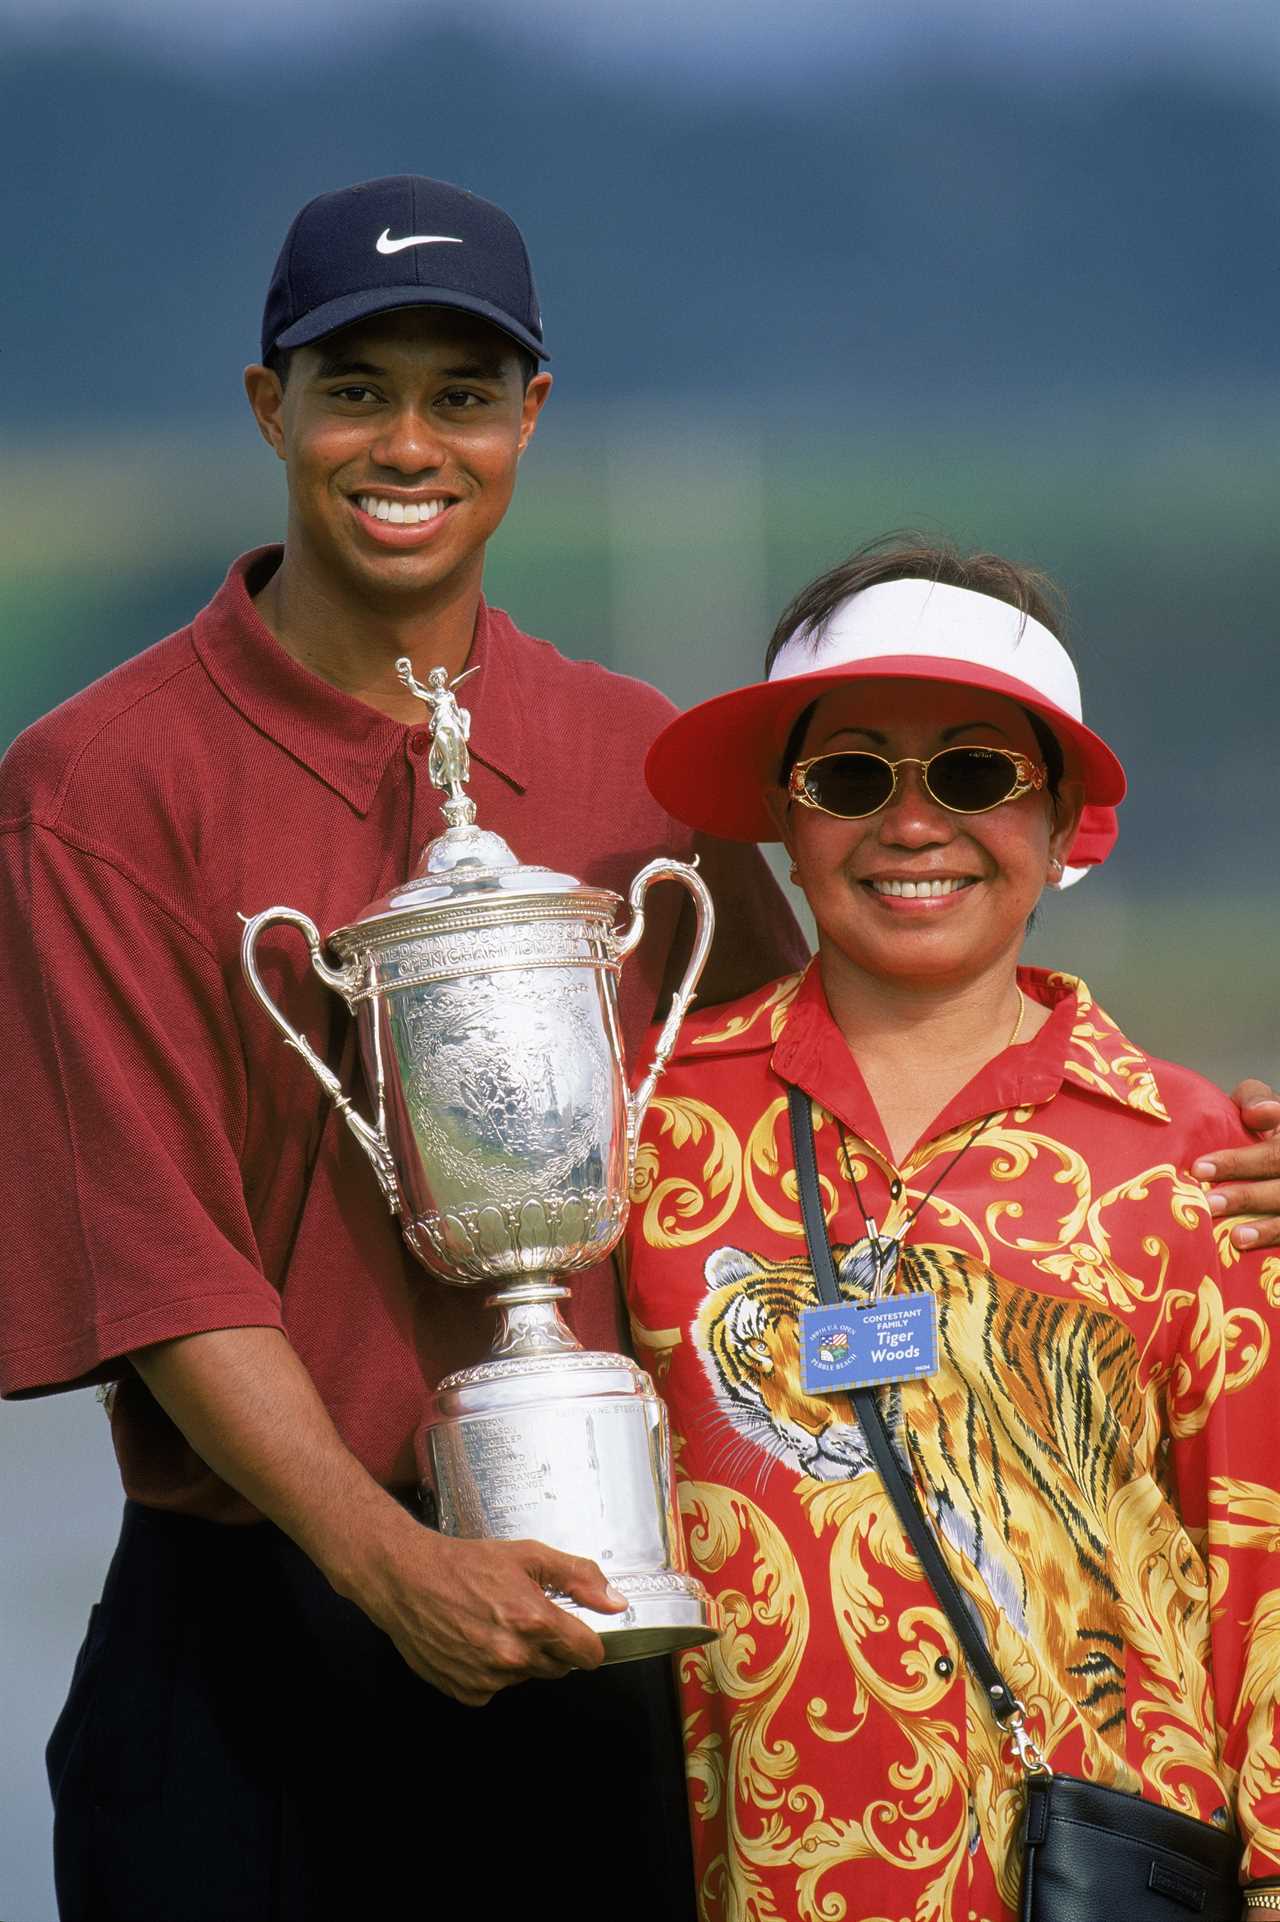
[1090,1854]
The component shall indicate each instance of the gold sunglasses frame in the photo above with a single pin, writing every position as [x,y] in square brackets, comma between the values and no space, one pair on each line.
[1030,777]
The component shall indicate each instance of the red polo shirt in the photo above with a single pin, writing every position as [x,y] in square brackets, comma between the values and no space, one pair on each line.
[175,1168]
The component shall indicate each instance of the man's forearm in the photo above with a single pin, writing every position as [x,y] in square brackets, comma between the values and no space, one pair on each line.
[469,1617]
[249,1408]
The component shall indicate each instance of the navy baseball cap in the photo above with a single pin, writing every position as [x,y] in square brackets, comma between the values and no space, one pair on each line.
[405,241]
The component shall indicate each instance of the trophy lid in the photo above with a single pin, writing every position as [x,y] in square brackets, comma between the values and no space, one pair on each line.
[466,865]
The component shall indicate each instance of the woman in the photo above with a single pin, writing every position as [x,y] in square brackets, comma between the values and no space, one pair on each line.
[1095,1445]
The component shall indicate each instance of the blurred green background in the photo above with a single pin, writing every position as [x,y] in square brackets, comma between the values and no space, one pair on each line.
[664,541]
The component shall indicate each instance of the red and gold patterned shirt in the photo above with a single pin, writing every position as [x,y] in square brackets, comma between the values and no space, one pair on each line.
[1098,1451]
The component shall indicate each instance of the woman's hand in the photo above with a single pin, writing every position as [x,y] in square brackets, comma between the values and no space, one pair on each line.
[1246,1181]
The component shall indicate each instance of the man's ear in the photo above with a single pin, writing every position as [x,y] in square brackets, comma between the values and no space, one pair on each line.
[535,399]
[1067,812]
[266,398]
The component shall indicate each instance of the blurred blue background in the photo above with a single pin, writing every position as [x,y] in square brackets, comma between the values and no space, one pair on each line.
[808,274]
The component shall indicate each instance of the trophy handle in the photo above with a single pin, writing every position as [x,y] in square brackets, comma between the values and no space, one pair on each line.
[342,980]
[688,876]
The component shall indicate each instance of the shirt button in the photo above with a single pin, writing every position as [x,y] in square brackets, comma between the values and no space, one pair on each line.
[944,1666]
[419,742]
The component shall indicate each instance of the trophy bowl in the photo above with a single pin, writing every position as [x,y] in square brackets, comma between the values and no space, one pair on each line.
[503,1137]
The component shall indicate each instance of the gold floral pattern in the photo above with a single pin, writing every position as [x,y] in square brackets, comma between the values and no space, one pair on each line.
[1102,1346]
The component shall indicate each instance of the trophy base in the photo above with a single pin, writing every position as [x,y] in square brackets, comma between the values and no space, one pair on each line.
[665,1613]
[572,1449]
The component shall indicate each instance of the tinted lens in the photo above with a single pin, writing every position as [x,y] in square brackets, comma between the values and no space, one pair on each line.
[850,784]
[969,779]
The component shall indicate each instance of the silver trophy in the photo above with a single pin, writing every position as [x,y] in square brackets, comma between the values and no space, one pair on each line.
[503,1137]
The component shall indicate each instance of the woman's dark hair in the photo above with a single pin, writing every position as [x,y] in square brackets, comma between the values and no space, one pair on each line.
[910,557]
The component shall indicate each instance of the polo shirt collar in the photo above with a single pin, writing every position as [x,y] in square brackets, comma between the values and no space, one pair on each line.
[343,741]
[1079,1045]
[497,698]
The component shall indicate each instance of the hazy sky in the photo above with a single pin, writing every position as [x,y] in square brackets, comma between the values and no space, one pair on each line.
[753,36]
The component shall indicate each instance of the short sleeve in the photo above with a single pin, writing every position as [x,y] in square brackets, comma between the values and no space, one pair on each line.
[122,1108]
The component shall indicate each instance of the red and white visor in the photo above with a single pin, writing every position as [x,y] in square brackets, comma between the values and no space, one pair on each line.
[714,766]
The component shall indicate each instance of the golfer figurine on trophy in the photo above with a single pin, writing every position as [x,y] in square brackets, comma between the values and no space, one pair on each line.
[485,993]
[449,763]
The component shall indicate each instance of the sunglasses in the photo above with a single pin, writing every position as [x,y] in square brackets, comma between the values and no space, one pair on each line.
[963,780]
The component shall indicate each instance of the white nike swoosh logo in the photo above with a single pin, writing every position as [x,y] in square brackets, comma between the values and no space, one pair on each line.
[386,245]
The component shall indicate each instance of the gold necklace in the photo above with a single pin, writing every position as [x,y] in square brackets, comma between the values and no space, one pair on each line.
[879,1243]
[1017,1026]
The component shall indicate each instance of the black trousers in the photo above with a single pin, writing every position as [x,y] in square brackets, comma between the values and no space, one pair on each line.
[242,1745]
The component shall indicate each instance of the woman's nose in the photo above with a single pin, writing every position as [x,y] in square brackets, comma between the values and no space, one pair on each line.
[911,817]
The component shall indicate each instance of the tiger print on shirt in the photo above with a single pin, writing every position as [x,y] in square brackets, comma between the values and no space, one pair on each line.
[1017,1443]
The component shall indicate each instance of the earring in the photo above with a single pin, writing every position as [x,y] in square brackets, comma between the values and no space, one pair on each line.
[795,875]
[1056,872]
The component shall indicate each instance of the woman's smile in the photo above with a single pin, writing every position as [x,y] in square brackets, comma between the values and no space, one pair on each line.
[904,892]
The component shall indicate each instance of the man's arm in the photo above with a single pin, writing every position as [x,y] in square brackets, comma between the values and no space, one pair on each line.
[1246,1181]
[133,1121]
[469,1617]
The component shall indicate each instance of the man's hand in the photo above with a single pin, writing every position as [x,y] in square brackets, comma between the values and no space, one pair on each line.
[470,1617]
[473,1617]
[1246,1181]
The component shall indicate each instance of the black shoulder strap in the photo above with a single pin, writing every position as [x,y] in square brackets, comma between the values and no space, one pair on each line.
[898,1486]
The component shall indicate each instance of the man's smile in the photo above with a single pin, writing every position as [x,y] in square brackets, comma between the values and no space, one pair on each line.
[386,507]
[394,521]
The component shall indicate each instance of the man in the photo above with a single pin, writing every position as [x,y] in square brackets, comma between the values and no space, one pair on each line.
[313,1714]
[288,1718]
